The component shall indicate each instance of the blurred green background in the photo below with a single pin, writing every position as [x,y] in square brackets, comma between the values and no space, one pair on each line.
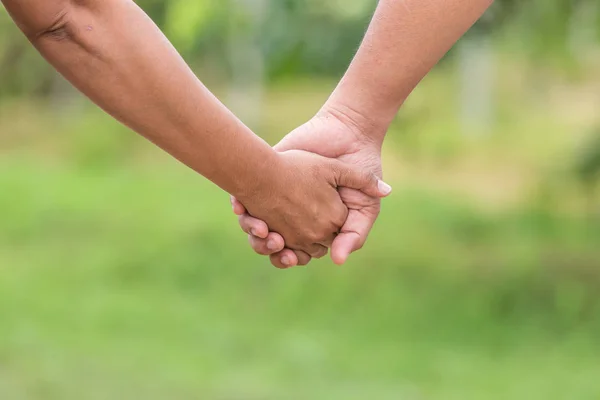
[123,275]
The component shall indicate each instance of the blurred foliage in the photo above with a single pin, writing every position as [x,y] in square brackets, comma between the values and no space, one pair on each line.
[588,166]
[587,171]
[301,36]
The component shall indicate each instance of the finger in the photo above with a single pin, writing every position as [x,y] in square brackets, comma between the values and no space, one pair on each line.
[356,178]
[272,244]
[253,226]
[289,258]
[353,234]
[303,258]
[317,251]
[238,208]
[343,246]
[284,259]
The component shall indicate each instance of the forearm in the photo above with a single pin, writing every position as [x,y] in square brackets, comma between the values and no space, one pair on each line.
[114,53]
[404,41]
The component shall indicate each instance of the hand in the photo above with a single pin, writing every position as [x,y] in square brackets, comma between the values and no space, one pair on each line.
[301,201]
[331,134]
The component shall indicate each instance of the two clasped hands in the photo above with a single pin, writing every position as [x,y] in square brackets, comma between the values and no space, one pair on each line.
[339,217]
[321,186]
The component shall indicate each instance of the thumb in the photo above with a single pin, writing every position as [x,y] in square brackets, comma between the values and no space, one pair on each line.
[343,245]
[354,233]
[355,178]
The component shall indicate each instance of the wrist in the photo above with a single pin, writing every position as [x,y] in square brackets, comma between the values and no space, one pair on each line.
[258,178]
[368,102]
[365,127]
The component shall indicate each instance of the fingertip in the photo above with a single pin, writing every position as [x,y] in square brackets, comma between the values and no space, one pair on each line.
[256,227]
[284,259]
[238,209]
[260,230]
[339,258]
[253,226]
[341,249]
[383,188]
[275,242]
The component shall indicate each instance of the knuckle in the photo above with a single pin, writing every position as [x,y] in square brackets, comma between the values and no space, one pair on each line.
[366,178]
[315,237]
[339,220]
[296,245]
[309,237]
[371,179]
[331,234]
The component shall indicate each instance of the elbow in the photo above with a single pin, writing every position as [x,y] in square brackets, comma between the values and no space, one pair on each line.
[57,30]
[55,20]
[37,17]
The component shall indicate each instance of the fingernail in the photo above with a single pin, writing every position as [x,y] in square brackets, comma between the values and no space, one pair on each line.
[253,232]
[384,188]
[271,245]
[285,261]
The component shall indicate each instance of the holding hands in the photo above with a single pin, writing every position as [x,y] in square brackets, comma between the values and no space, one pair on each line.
[302,204]
[341,138]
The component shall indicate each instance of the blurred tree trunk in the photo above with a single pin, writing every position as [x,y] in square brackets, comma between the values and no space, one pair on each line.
[246,60]
[476,68]
[583,29]
[9,63]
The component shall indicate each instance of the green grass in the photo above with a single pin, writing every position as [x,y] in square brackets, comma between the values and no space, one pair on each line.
[135,282]
[124,275]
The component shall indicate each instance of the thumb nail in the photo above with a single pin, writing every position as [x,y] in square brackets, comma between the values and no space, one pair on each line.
[384,188]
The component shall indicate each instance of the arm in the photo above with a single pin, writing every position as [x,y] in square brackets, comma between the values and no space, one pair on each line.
[114,53]
[405,40]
